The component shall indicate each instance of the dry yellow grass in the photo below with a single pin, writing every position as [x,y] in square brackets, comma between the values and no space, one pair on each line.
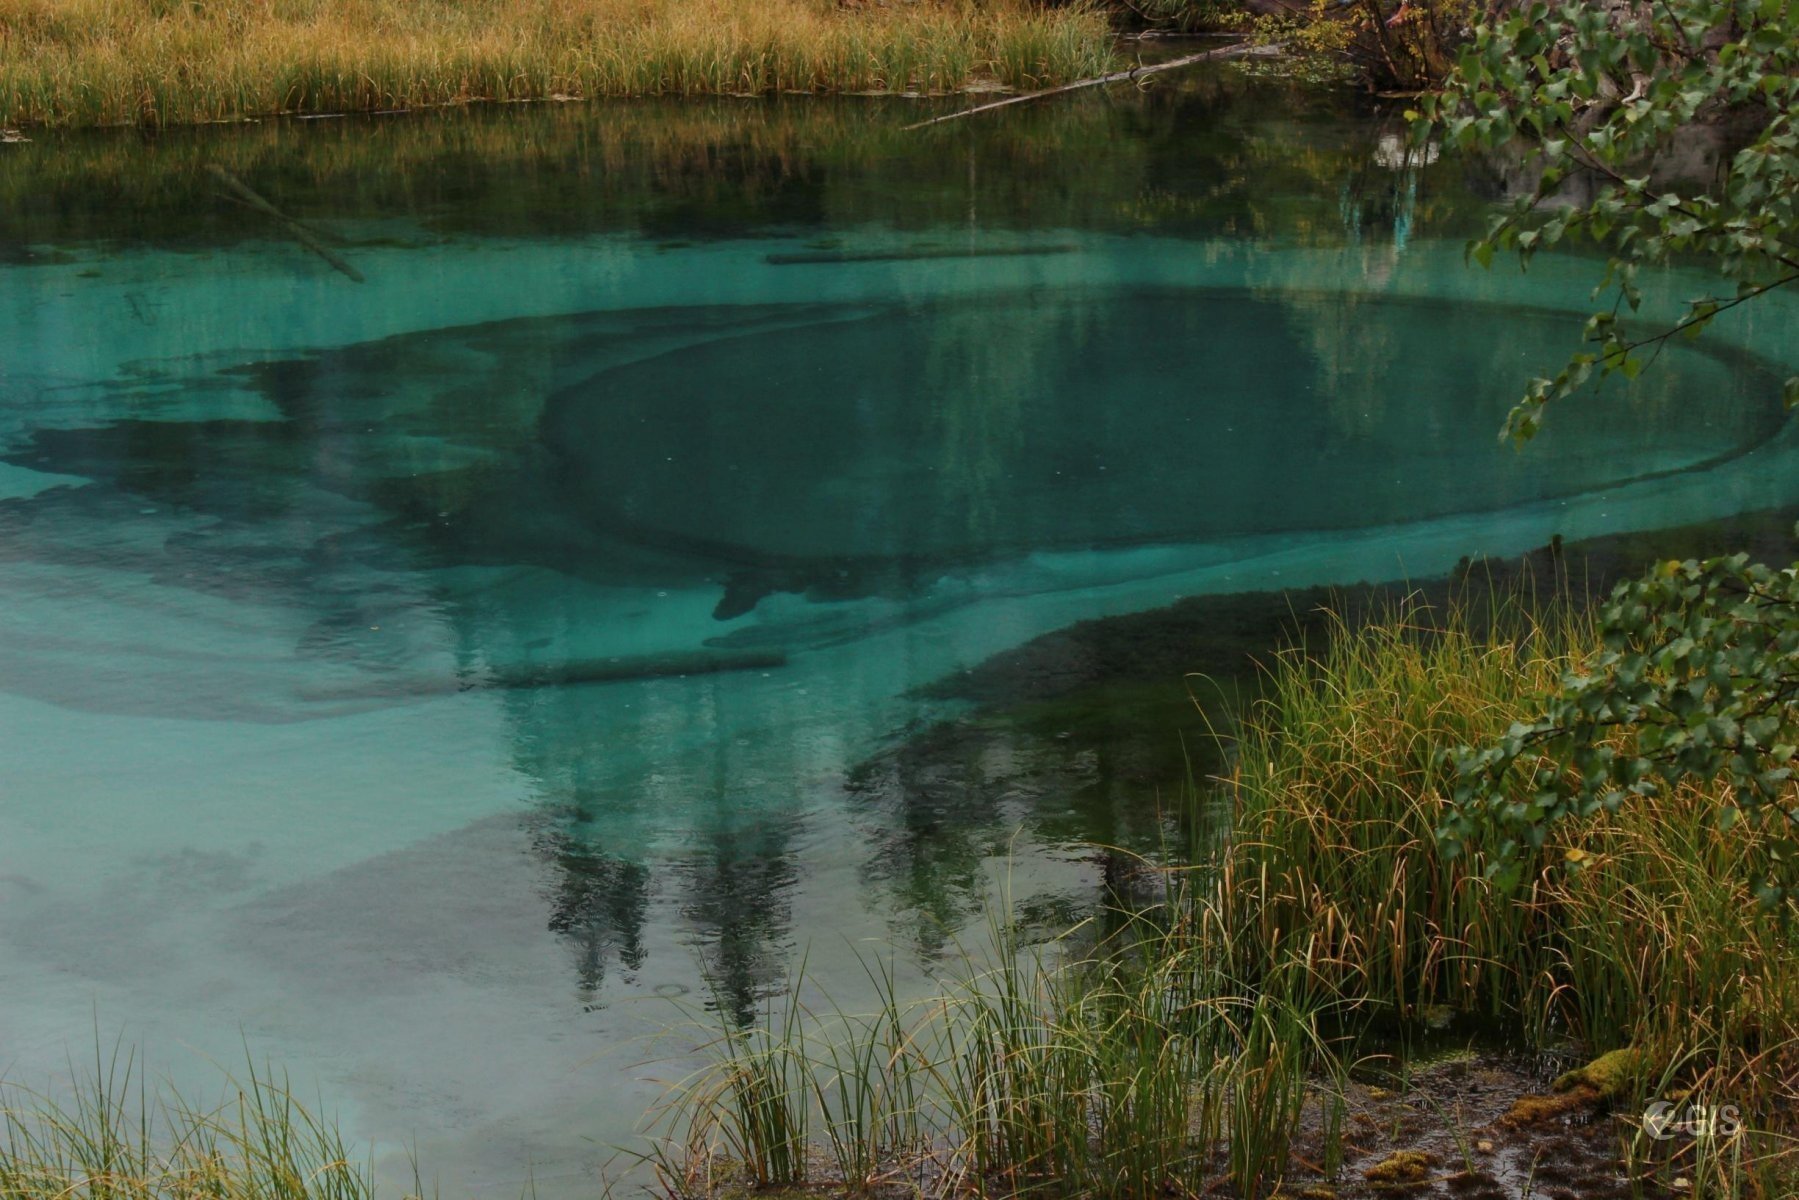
[82,62]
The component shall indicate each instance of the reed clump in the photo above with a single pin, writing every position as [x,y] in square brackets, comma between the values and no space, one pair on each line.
[115,1137]
[1635,929]
[1630,922]
[99,62]
[1122,1070]
[1340,784]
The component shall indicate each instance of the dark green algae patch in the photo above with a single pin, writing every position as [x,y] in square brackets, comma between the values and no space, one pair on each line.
[1154,668]
[1102,737]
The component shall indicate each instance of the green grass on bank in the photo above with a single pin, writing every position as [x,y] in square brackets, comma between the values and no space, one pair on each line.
[97,62]
[1656,942]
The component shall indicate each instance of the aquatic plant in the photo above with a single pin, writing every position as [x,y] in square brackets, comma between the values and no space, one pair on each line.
[1342,778]
[1112,1066]
[868,1092]
[1269,1087]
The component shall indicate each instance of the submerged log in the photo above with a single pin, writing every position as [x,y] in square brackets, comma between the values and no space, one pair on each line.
[301,233]
[1237,50]
[860,256]
[551,675]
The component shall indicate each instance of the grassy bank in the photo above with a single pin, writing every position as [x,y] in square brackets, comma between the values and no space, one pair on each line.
[1656,943]
[97,62]
[1220,1039]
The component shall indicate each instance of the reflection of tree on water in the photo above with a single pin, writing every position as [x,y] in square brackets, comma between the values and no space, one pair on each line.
[615,877]
[598,888]
[1211,150]
[982,373]
[598,904]
[930,823]
[938,809]
[736,885]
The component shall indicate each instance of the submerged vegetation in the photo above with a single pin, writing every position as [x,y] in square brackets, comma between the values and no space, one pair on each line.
[1221,1034]
[98,62]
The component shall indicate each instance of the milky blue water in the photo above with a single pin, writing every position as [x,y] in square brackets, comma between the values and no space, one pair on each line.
[418,680]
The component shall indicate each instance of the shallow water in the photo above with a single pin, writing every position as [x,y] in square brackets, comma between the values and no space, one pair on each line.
[420,681]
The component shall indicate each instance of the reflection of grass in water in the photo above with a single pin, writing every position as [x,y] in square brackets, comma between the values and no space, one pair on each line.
[678,168]
[687,168]
[90,62]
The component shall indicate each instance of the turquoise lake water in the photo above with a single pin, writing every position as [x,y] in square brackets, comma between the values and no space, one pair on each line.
[420,680]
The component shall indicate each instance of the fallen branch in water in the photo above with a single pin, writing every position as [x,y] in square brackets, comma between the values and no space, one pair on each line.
[862,256]
[305,236]
[677,665]
[1237,50]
